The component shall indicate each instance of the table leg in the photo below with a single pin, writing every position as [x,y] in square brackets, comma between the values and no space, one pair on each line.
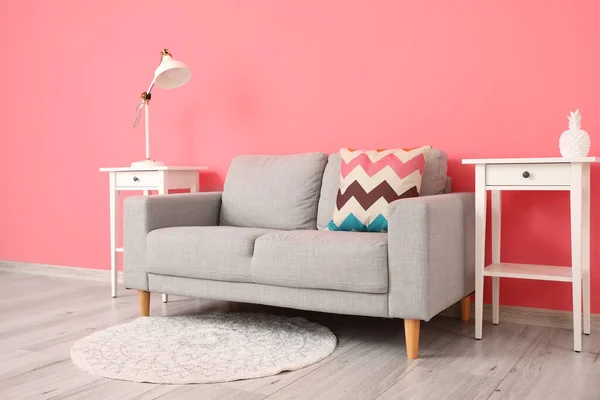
[480,220]
[576,241]
[496,217]
[585,244]
[163,190]
[114,212]
[194,186]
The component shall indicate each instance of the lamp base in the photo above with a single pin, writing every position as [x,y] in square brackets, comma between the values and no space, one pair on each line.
[147,164]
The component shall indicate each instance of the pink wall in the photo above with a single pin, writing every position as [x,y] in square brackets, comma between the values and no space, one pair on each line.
[476,78]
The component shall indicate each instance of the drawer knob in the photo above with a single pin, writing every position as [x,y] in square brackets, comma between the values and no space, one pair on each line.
[526,174]
[135,178]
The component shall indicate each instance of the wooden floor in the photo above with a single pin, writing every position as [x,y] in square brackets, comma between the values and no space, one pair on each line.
[41,317]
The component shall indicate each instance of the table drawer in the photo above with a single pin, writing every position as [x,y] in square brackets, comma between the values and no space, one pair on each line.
[138,178]
[528,174]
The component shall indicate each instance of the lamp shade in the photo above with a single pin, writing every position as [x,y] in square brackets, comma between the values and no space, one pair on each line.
[171,73]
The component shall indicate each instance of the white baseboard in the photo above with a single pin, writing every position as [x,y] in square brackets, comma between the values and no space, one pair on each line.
[535,316]
[59,271]
[511,314]
[525,315]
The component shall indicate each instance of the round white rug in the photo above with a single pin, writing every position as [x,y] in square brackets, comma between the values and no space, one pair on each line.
[206,348]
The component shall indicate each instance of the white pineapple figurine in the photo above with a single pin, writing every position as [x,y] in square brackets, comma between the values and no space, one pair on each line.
[574,142]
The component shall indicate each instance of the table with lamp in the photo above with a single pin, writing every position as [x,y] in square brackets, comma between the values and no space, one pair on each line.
[148,174]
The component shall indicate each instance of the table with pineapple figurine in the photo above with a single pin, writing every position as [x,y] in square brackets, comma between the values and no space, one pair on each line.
[554,173]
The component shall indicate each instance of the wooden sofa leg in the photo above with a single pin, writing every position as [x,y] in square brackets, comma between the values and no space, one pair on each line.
[144,300]
[411,331]
[465,308]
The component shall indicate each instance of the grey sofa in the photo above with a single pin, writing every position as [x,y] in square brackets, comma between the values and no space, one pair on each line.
[261,240]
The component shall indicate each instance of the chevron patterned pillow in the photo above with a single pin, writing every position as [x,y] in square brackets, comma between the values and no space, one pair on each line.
[369,181]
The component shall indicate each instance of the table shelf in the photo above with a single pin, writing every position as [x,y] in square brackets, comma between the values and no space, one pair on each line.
[529,271]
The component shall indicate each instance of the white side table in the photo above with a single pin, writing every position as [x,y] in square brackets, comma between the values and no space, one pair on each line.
[568,174]
[161,179]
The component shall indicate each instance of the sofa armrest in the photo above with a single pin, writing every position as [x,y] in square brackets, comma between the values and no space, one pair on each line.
[431,254]
[143,214]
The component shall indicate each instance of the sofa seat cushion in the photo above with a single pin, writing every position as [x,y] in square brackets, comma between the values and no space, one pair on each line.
[347,261]
[206,252]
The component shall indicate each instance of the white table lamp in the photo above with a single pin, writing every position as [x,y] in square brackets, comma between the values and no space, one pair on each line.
[169,74]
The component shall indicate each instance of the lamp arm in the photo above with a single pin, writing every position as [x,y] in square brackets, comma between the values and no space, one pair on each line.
[151,86]
[146,96]
[147,126]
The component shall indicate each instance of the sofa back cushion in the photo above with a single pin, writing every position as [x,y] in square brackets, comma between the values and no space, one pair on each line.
[274,192]
[433,182]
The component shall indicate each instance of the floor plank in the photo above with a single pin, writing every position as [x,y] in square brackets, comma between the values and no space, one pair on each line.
[204,392]
[494,355]
[107,389]
[19,361]
[45,311]
[45,382]
[156,393]
[552,370]
[27,289]
[428,383]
